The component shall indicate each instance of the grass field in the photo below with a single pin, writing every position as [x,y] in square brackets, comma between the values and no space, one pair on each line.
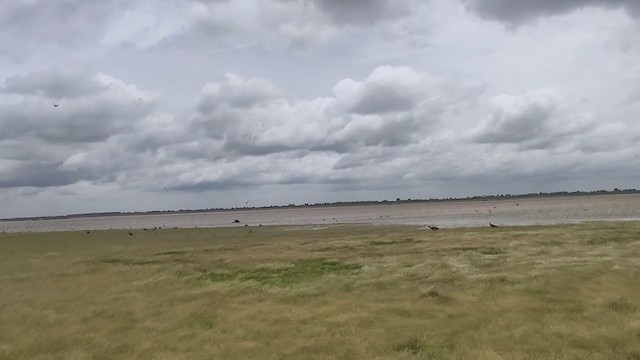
[337,292]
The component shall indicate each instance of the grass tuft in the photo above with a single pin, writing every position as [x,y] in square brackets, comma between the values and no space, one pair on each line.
[622,306]
[217,276]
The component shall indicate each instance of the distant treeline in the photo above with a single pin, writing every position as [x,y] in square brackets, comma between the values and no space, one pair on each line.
[339,203]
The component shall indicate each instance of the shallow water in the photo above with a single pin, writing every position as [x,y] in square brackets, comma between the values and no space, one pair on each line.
[525,211]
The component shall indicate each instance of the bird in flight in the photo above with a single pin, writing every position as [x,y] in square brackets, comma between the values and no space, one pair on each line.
[55,105]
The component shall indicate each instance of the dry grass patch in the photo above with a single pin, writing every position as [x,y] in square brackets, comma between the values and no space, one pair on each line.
[339,292]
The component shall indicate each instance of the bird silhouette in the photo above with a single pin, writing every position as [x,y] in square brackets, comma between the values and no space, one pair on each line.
[130,233]
[55,105]
[434,228]
[492,225]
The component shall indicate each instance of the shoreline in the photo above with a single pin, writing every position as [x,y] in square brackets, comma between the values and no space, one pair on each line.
[482,198]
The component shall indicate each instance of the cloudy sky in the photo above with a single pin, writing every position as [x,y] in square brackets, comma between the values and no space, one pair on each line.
[169,104]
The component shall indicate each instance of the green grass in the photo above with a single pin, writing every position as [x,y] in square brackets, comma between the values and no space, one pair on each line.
[338,292]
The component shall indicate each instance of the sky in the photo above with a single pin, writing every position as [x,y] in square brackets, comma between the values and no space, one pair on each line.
[182,104]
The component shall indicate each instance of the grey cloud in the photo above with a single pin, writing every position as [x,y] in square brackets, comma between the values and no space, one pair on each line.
[607,138]
[518,11]
[296,23]
[533,120]
[380,99]
[388,131]
[53,165]
[371,157]
[110,107]
[155,132]
[211,185]
[93,123]
[237,93]
[228,104]
[41,174]
[14,149]
[83,122]
[53,84]
[100,163]
[41,21]
[633,98]
[364,11]
[264,170]
[82,139]
[90,125]
[515,127]
[246,146]
[387,89]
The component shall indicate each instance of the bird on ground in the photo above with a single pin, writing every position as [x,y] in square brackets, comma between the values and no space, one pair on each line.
[55,105]
[130,233]
[434,228]
[492,225]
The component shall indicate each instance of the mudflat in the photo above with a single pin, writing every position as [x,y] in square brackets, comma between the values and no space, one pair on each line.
[323,292]
[459,213]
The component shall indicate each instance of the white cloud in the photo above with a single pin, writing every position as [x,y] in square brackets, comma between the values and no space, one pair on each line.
[391,107]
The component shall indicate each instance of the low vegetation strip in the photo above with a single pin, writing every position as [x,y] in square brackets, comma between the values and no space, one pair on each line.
[344,291]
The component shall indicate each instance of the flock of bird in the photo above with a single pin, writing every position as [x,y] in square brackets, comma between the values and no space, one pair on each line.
[237,221]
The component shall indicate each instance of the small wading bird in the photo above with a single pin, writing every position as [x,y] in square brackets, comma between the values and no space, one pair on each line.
[492,225]
[130,233]
[434,228]
[55,105]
